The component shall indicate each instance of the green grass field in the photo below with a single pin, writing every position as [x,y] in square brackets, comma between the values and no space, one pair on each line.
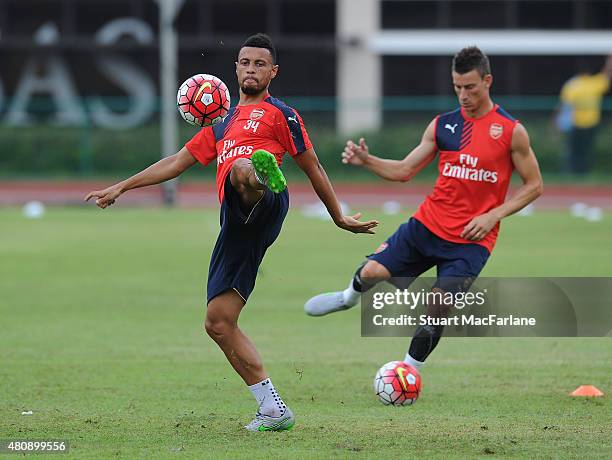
[102,339]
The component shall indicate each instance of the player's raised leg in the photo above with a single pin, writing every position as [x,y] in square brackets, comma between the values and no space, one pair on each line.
[267,171]
[222,326]
[367,276]
[250,177]
[245,183]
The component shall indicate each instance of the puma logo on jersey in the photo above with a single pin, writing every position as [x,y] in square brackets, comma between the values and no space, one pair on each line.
[294,119]
[451,128]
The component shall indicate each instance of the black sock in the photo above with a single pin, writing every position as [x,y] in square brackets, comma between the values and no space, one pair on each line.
[424,341]
[359,284]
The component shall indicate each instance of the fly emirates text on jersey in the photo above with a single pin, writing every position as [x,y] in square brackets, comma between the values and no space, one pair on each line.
[467,169]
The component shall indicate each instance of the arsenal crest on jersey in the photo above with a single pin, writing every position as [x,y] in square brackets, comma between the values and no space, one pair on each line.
[496,130]
[257,114]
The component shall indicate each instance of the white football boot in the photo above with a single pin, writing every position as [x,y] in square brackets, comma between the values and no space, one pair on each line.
[324,304]
[263,422]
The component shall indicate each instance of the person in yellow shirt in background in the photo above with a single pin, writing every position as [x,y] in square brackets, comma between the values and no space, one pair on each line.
[580,115]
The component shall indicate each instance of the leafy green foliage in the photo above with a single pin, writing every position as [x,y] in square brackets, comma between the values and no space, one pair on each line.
[49,150]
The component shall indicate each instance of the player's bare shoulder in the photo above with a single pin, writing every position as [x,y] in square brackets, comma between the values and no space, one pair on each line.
[520,139]
[520,131]
[429,134]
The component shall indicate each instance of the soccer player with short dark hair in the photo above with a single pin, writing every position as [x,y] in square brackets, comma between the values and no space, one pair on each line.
[248,147]
[478,146]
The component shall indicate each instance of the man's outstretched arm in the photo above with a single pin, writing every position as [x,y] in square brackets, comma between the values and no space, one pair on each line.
[309,163]
[165,169]
[393,170]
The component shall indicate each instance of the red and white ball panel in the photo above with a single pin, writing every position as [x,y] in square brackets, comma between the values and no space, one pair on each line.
[203,100]
[397,383]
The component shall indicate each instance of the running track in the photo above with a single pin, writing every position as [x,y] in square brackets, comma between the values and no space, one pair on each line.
[195,194]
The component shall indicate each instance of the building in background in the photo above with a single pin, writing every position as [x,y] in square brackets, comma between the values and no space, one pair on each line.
[94,64]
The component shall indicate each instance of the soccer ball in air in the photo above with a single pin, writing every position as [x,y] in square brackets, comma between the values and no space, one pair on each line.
[203,100]
[397,383]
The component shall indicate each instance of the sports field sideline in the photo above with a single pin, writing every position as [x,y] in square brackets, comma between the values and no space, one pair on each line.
[203,194]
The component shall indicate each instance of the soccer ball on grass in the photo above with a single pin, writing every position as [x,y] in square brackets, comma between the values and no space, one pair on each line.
[397,383]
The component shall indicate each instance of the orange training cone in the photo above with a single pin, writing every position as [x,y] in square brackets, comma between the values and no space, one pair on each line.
[587,390]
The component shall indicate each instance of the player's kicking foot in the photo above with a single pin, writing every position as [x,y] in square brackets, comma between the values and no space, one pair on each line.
[324,304]
[267,171]
[263,422]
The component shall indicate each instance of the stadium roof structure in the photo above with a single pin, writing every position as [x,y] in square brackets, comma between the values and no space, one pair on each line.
[506,42]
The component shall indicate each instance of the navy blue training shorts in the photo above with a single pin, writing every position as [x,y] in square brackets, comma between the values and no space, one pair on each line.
[413,249]
[243,241]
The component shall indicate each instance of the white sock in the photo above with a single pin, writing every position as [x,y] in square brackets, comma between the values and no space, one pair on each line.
[270,402]
[413,362]
[350,295]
